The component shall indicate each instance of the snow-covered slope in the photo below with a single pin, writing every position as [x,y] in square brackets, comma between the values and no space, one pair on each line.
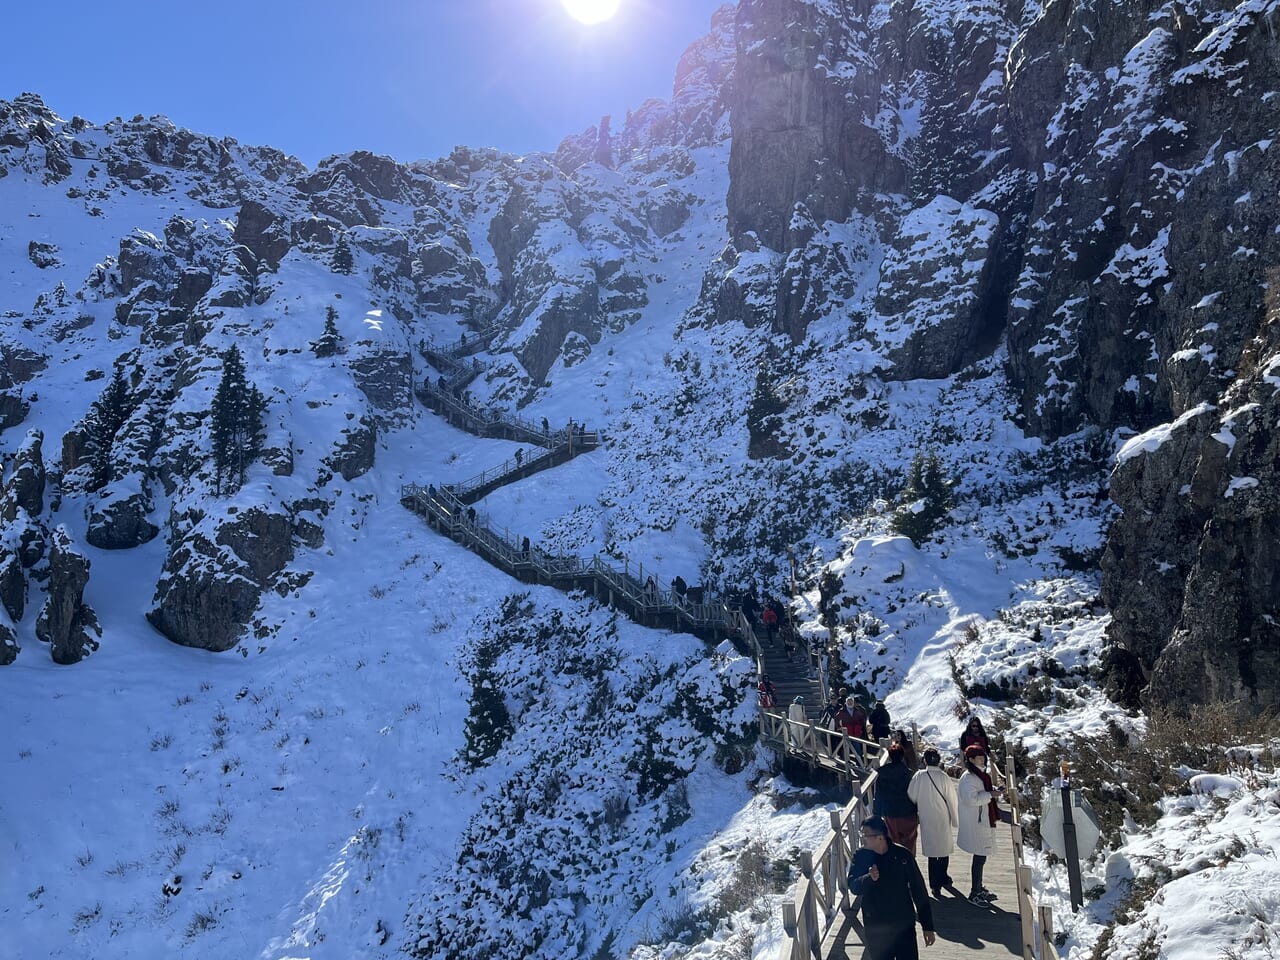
[340,780]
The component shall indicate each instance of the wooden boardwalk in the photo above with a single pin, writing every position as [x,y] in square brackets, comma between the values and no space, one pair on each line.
[821,920]
[962,927]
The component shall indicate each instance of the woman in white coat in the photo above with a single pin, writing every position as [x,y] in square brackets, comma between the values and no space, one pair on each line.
[978,818]
[934,794]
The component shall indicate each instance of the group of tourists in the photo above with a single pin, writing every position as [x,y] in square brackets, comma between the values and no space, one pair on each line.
[930,808]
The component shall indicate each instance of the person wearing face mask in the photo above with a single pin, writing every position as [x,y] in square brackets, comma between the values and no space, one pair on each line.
[979,815]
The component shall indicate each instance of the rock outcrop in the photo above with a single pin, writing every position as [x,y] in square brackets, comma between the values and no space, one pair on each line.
[215,575]
[66,623]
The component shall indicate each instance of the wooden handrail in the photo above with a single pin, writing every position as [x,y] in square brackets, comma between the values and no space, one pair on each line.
[1036,919]
[449,509]
[822,892]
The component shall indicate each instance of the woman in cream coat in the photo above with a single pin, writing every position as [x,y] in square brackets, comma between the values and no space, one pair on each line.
[978,818]
[934,794]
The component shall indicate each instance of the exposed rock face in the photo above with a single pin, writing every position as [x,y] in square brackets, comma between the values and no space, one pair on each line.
[1192,569]
[1110,182]
[210,588]
[13,584]
[264,232]
[356,450]
[804,131]
[8,644]
[65,622]
[18,364]
[25,488]
[119,521]
[935,286]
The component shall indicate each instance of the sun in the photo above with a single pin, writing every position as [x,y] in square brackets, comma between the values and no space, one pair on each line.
[591,11]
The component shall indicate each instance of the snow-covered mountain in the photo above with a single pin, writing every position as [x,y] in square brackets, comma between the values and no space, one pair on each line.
[864,247]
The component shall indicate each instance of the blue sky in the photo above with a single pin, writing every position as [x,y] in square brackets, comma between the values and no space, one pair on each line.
[408,79]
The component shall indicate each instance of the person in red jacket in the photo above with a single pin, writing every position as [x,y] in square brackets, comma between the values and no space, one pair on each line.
[975,733]
[770,619]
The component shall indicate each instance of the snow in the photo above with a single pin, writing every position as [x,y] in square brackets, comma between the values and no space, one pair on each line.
[303,794]
[1151,440]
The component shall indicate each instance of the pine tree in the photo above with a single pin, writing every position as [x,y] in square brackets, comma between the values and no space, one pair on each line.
[330,342]
[106,416]
[342,260]
[237,423]
[925,500]
[488,726]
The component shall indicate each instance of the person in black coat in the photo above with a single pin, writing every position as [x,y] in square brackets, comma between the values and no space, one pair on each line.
[879,718]
[901,818]
[884,874]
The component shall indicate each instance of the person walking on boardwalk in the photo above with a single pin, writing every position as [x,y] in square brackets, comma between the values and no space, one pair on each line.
[908,749]
[766,692]
[789,640]
[975,733]
[879,718]
[519,456]
[832,707]
[796,712]
[979,815]
[770,620]
[893,800]
[934,794]
[885,876]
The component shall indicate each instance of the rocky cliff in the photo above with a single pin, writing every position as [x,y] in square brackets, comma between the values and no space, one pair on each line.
[1083,193]
[1094,183]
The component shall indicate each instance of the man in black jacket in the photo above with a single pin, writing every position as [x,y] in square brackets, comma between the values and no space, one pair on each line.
[885,875]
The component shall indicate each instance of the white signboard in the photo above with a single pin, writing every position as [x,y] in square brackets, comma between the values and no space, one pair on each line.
[1087,831]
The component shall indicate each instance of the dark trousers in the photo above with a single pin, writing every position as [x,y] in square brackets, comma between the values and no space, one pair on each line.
[938,877]
[891,943]
[975,871]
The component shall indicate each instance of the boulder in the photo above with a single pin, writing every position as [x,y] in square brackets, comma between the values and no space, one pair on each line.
[214,577]
[24,490]
[118,518]
[65,622]
[13,584]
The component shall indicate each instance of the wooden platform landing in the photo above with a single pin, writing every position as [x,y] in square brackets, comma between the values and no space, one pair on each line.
[962,927]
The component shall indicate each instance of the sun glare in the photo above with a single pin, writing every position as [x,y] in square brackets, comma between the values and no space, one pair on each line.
[591,11]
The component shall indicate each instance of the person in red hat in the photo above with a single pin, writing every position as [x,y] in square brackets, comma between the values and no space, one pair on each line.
[979,815]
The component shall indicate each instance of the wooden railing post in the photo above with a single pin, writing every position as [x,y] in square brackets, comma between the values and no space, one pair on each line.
[1025,912]
[841,859]
[1048,949]
[791,924]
